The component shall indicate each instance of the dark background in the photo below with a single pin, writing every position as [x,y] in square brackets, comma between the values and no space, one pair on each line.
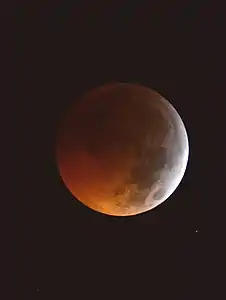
[64,249]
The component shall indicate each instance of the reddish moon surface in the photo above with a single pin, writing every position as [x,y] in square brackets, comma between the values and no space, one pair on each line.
[122,149]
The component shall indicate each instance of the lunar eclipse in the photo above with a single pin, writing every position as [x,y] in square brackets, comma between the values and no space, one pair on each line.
[121,149]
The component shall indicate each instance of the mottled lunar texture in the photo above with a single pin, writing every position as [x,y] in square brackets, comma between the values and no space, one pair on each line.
[122,149]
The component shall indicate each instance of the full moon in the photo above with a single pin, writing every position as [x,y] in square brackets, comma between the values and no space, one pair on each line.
[121,149]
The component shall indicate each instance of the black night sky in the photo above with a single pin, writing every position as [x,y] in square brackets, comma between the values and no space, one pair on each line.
[65,250]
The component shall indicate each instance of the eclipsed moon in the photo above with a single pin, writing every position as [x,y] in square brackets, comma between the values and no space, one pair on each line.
[122,149]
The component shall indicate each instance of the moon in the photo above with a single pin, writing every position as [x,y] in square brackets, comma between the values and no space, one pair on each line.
[121,149]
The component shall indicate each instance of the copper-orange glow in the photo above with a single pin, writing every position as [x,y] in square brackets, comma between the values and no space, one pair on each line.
[104,142]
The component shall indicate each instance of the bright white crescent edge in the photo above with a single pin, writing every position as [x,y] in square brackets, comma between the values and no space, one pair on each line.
[180,170]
